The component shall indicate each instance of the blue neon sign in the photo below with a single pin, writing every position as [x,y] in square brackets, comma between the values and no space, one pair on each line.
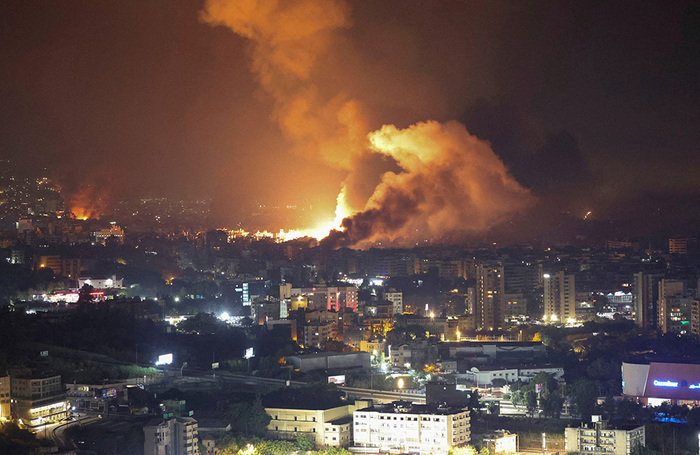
[666,383]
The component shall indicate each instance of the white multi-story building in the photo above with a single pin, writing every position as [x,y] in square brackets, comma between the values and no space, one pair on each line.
[326,427]
[484,376]
[597,438]
[559,297]
[397,299]
[102,283]
[402,426]
[178,436]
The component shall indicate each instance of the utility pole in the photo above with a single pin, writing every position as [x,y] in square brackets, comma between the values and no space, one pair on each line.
[544,444]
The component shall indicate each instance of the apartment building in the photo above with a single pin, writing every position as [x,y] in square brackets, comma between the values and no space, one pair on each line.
[406,427]
[598,438]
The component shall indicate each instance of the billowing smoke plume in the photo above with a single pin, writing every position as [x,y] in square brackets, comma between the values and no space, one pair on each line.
[288,38]
[451,182]
[447,180]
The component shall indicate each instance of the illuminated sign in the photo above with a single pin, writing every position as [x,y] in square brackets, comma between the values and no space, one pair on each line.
[165,359]
[694,386]
[109,393]
[658,383]
[337,379]
[248,353]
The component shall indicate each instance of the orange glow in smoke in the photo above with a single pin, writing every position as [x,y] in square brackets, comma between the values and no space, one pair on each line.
[323,229]
[319,232]
[82,205]
[448,181]
[84,213]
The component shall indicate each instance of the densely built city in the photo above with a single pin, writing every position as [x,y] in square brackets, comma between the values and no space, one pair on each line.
[335,227]
[157,336]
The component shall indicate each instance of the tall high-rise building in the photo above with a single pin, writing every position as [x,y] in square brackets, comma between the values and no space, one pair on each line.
[645,293]
[559,297]
[674,306]
[490,304]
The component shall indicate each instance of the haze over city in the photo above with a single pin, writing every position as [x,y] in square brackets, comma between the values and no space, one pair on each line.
[541,109]
[336,227]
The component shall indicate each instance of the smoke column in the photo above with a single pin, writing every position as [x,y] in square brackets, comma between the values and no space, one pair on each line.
[449,181]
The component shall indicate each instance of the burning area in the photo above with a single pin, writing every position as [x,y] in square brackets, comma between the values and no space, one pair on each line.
[438,179]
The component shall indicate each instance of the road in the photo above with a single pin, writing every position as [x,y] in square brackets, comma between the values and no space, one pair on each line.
[56,432]
[376,395]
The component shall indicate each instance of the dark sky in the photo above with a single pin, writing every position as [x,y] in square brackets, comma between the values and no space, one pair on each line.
[591,105]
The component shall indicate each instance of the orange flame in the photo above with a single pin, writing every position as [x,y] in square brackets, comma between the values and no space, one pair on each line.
[82,208]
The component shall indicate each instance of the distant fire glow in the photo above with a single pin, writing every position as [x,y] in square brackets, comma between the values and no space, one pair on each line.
[318,233]
[448,182]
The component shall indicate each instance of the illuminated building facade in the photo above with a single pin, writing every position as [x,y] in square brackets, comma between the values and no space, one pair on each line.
[490,304]
[326,427]
[406,427]
[102,283]
[95,397]
[322,297]
[396,298]
[5,400]
[113,231]
[598,438]
[559,297]
[38,401]
[655,382]
[674,307]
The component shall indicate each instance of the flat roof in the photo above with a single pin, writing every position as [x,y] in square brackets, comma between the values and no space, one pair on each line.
[341,421]
[407,407]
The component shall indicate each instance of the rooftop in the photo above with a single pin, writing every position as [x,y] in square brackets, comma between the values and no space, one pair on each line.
[406,407]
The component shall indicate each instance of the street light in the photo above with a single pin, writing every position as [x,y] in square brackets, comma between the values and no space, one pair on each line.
[400,384]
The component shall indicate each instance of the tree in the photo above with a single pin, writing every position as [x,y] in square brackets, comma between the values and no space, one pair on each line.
[249,418]
[85,294]
[493,407]
[304,443]
[584,396]
[531,402]
[551,405]
[474,402]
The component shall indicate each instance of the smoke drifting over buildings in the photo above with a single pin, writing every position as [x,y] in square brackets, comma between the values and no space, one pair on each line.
[448,180]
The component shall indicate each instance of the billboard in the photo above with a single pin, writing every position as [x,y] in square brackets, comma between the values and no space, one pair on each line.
[164,359]
[338,379]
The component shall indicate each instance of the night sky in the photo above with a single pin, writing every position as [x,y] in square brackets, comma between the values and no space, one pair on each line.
[590,105]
